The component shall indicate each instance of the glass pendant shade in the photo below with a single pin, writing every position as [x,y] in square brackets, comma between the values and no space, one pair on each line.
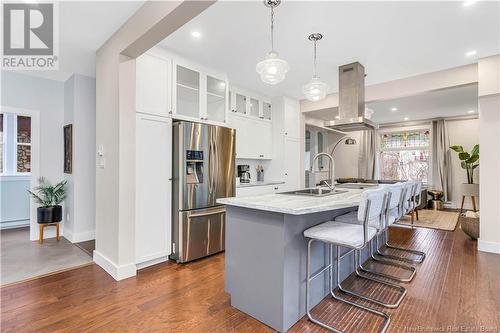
[315,90]
[272,70]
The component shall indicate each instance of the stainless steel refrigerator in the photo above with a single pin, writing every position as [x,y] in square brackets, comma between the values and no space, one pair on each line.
[203,171]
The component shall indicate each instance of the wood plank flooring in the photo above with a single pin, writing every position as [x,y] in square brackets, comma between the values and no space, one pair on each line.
[455,286]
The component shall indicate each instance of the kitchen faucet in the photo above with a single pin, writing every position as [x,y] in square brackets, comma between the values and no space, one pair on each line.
[331,169]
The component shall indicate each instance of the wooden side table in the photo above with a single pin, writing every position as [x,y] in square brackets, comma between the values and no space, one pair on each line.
[43,225]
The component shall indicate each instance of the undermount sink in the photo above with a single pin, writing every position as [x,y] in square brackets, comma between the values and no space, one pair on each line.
[315,192]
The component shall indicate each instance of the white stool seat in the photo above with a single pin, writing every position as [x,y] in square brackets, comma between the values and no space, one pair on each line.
[352,217]
[344,234]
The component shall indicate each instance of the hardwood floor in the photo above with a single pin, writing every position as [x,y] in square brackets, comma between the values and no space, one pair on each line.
[455,286]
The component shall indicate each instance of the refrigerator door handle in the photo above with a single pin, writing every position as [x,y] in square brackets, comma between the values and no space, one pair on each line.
[213,212]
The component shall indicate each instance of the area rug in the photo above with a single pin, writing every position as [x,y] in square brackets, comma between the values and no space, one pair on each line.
[434,219]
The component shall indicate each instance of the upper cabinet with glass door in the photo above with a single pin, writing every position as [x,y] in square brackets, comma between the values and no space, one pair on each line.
[217,96]
[197,94]
[250,104]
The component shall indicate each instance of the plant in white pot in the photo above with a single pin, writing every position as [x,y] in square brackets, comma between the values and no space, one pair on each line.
[469,162]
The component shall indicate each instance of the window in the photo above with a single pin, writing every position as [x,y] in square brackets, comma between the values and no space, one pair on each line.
[404,155]
[15,144]
[23,156]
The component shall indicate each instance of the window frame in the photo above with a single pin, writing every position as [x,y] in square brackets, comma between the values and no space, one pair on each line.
[423,127]
[10,145]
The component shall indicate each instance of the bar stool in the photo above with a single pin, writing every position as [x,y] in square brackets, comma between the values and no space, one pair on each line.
[394,192]
[405,205]
[355,237]
[416,199]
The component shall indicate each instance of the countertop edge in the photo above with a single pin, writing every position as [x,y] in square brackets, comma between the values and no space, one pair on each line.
[288,211]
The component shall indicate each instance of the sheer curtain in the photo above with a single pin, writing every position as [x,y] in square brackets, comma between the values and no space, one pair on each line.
[441,158]
[367,151]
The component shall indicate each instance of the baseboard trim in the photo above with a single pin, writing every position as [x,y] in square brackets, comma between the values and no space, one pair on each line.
[152,262]
[117,272]
[77,237]
[490,247]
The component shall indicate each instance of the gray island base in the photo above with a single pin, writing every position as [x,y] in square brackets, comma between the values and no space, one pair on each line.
[265,259]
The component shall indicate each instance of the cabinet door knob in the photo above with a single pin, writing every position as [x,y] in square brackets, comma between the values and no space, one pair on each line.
[276,188]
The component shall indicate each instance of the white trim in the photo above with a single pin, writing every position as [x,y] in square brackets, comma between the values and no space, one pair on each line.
[15,178]
[35,159]
[151,262]
[485,246]
[79,236]
[117,272]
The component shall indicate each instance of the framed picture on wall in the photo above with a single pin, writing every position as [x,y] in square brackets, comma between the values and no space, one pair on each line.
[68,148]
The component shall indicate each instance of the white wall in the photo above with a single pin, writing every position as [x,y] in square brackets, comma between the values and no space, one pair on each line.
[14,202]
[464,133]
[47,96]
[489,138]
[346,157]
[60,103]
[80,204]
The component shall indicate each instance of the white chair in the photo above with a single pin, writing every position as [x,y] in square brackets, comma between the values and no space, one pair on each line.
[407,203]
[394,192]
[356,237]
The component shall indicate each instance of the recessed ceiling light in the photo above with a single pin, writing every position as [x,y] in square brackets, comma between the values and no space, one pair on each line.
[471,111]
[471,53]
[406,118]
[394,109]
[469,3]
[337,117]
[196,34]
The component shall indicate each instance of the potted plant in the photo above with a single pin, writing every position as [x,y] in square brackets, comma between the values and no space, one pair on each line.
[49,198]
[469,162]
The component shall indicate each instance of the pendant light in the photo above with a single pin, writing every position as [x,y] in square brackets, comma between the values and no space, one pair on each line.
[315,90]
[272,70]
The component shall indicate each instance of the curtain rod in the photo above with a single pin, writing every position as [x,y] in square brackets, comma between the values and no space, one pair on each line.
[425,121]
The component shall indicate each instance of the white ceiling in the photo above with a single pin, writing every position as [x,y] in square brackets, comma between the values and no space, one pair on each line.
[442,103]
[83,27]
[391,39]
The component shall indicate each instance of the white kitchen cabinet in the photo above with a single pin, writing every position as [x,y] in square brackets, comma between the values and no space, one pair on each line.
[249,191]
[292,118]
[153,189]
[250,104]
[153,91]
[292,166]
[253,137]
[217,99]
[198,94]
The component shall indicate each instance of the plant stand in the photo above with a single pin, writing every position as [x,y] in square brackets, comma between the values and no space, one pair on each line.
[472,191]
[43,225]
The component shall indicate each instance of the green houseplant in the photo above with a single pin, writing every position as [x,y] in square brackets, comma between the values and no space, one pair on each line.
[470,161]
[49,197]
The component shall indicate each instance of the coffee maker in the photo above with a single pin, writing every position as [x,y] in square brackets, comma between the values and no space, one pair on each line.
[244,173]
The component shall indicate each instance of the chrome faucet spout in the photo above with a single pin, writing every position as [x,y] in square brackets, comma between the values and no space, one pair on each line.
[331,169]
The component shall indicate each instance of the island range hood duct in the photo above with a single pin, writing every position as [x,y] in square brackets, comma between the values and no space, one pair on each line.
[351,100]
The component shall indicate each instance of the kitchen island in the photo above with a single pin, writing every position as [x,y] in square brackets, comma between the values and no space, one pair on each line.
[265,260]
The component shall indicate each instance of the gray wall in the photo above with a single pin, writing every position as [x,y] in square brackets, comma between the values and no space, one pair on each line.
[14,202]
[60,103]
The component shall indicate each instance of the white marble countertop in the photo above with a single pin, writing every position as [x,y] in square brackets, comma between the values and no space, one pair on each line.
[258,183]
[296,204]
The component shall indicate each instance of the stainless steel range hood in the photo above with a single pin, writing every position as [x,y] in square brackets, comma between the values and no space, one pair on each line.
[351,100]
